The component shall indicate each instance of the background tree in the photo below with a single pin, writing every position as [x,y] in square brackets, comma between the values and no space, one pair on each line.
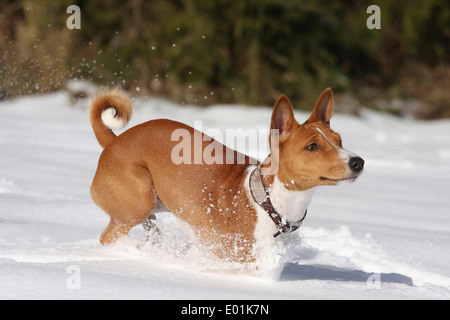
[203,51]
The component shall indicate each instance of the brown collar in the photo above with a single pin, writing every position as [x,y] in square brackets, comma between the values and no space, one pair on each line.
[261,196]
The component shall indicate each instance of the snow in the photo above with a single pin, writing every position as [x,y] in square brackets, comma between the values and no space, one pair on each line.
[386,236]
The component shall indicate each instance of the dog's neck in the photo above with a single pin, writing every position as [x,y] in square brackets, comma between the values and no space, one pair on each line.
[291,205]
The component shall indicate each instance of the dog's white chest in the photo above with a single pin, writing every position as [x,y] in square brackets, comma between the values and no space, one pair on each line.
[271,252]
[291,205]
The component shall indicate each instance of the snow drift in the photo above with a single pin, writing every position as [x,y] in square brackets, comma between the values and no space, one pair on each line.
[385,236]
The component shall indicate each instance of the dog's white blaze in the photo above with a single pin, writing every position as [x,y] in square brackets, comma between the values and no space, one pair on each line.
[343,153]
[110,120]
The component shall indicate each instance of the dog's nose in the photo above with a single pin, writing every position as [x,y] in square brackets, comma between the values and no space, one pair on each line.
[356,164]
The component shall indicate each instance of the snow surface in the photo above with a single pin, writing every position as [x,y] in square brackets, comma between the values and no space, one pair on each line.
[387,236]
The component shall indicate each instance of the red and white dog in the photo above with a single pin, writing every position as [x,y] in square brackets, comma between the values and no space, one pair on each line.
[236,209]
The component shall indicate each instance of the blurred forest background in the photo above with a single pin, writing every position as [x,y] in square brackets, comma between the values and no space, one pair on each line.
[222,51]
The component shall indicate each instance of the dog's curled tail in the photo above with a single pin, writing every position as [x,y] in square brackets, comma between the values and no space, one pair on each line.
[110,109]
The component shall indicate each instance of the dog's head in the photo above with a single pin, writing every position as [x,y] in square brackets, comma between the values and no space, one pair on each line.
[310,154]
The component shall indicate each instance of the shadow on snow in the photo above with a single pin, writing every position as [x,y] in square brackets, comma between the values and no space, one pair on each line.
[294,271]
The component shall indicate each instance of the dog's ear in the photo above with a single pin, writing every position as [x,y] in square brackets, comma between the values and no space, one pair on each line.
[283,117]
[323,109]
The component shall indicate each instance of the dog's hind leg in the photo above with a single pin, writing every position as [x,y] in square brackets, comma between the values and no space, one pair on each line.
[150,223]
[114,231]
[127,195]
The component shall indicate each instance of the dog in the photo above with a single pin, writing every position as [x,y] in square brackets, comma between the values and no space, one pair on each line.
[235,209]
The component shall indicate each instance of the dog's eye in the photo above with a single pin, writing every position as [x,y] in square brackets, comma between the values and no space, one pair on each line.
[312,147]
